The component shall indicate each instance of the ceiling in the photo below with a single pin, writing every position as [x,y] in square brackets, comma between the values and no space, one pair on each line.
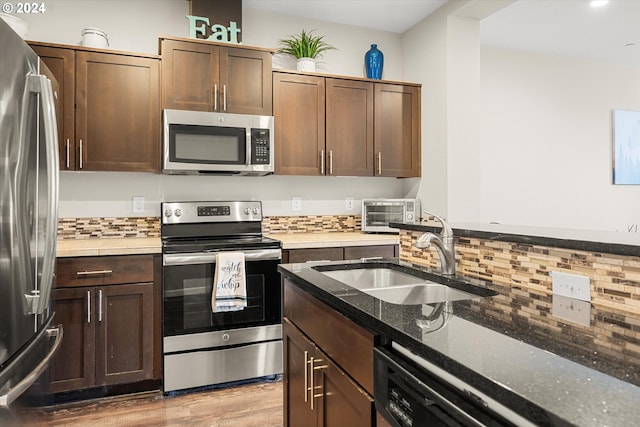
[563,27]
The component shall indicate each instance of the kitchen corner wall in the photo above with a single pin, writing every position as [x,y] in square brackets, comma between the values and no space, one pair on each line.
[135,26]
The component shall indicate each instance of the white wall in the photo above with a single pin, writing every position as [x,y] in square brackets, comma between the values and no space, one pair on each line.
[547,141]
[135,26]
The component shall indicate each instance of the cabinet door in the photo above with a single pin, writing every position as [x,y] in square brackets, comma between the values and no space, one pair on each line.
[349,127]
[397,130]
[297,350]
[73,366]
[299,111]
[340,400]
[117,112]
[61,63]
[124,338]
[245,80]
[190,73]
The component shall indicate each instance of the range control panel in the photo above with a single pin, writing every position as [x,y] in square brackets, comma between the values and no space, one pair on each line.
[199,212]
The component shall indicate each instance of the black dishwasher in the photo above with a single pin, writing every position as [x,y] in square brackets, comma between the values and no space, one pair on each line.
[411,392]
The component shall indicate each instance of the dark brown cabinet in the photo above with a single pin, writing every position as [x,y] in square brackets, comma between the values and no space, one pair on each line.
[328,364]
[204,76]
[317,392]
[349,127]
[299,129]
[338,253]
[397,130]
[108,322]
[110,108]
[345,127]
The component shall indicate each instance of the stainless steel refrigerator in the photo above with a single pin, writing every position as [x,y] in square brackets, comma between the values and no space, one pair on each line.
[28,217]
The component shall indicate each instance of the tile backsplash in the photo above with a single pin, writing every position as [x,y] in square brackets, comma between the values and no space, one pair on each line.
[88,228]
[104,228]
[615,279]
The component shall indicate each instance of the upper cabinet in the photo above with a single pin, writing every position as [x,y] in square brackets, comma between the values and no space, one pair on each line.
[110,108]
[298,104]
[205,76]
[397,130]
[345,127]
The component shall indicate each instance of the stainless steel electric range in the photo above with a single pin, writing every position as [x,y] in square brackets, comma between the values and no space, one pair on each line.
[200,347]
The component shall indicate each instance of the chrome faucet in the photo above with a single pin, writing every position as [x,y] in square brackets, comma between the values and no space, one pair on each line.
[444,244]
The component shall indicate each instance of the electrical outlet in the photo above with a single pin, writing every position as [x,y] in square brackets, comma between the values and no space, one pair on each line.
[348,203]
[572,309]
[571,285]
[137,204]
[296,204]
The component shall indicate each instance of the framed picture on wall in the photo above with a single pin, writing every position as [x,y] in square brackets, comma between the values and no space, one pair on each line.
[626,147]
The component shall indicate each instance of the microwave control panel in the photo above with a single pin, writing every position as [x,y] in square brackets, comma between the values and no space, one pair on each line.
[260,146]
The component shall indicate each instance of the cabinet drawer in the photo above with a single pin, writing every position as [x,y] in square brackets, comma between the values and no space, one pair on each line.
[315,254]
[347,343]
[104,270]
[355,252]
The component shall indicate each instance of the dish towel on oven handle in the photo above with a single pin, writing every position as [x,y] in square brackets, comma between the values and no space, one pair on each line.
[229,283]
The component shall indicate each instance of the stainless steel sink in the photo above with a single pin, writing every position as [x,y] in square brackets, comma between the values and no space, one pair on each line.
[368,278]
[397,287]
[419,294]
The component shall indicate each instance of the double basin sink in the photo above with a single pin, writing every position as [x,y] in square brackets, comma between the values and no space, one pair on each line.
[391,285]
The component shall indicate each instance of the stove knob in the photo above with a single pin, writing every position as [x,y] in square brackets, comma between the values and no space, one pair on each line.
[247,211]
[168,213]
[178,212]
[256,211]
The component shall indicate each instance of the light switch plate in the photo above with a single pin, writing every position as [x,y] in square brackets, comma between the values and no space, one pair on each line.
[571,285]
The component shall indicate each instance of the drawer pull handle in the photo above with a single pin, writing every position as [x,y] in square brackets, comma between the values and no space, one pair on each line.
[93,273]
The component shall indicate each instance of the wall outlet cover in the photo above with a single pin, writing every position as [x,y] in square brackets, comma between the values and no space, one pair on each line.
[296,204]
[571,285]
[571,309]
[137,204]
[348,203]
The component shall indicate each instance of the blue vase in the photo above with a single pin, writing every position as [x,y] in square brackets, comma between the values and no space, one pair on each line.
[373,62]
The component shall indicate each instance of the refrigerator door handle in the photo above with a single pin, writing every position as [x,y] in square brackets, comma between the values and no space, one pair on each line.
[42,85]
[15,392]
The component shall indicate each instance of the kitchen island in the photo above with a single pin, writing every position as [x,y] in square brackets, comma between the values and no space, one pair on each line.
[510,346]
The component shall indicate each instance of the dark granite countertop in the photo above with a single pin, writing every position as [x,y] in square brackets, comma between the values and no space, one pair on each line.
[553,377]
[617,243]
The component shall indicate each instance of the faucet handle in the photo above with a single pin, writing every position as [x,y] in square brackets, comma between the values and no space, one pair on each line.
[446,230]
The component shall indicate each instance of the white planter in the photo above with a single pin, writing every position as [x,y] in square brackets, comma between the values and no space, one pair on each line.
[306,64]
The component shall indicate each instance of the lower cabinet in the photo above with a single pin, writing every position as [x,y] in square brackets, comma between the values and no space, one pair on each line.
[317,392]
[109,329]
[328,365]
[338,253]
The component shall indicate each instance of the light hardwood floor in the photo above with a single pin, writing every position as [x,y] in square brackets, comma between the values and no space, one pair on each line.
[253,405]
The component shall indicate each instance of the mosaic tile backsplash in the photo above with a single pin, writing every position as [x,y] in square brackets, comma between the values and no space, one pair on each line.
[524,271]
[311,224]
[104,228]
[87,228]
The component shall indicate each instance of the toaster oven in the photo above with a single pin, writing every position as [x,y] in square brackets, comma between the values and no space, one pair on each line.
[378,213]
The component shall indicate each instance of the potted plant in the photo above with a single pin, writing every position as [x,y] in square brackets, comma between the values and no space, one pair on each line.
[305,47]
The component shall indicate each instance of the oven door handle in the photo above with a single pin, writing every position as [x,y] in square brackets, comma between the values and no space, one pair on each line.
[210,257]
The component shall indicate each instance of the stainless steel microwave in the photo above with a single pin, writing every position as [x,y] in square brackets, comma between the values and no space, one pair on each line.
[378,213]
[200,142]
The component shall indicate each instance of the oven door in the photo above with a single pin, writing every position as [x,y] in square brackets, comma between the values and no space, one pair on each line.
[188,284]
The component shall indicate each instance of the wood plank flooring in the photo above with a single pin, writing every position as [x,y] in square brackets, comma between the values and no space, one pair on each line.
[252,405]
